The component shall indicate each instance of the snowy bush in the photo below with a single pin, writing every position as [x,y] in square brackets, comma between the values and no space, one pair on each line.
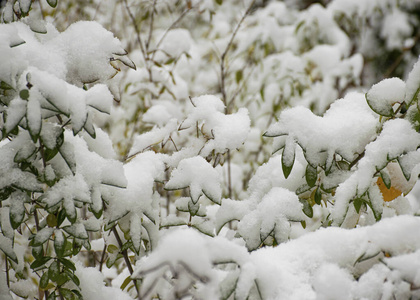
[254,150]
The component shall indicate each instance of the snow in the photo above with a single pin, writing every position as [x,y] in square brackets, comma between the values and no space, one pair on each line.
[93,287]
[175,160]
[383,95]
[223,131]
[197,174]
[320,264]
[344,129]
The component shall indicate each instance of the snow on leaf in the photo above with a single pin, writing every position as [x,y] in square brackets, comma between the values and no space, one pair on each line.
[42,236]
[197,174]
[153,137]
[6,245]
[271,216]
[15,113]
[135,231]
[69,187]
[346,128]
[397,138]
[100,98]
[413,84]
[288,157]
[382,96]
[33,116]
[17,209]
[77,230]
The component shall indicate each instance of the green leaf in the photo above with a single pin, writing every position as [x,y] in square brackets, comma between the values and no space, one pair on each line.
[238,76]
[51,296]
[67,153]
[54,271]
[42,236]
[77,230]
[44,281]
[62,278]
[193,208]
[311,175]
[60,242]
[126,281]
[24,94]
[302,189]
[68,294]
[385,178]
[307,208]
[37,252]
[50,153]
[52,3]
[68,264]
[219,2]
[318,196]
[358,204]
[51,220]
[5,193]
[288,157]
[6,245]
[17,215]
[73,278]
[5,85]
[40,263]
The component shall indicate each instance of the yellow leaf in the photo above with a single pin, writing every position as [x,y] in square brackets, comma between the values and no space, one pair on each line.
[388,194]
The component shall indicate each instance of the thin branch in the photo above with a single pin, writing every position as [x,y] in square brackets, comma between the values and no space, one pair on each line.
[175,23]
[152,18]
[7,273]
[126,259]
[133,21]
[224,54]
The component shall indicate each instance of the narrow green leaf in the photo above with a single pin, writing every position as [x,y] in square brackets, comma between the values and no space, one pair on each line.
[52,3]
[302,189]
[54,271]
[307,208]
[5,85]
[318,196]
[68,264]
[126,281]
[238,76]
[311,175]
[6,245]
[385,178]
[67,294]
[288,157]
[357,204]
[40,263]
[60,242]
[44,281]
[42,236]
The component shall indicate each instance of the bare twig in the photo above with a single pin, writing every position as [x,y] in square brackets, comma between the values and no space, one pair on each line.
[175,23]
[138,36]
[152,18]
[126,259]
[224,54]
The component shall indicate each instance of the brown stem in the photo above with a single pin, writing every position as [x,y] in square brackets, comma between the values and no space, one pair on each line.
[7,273]
[223,57]
[126,258]
[102,258]
[152,18]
